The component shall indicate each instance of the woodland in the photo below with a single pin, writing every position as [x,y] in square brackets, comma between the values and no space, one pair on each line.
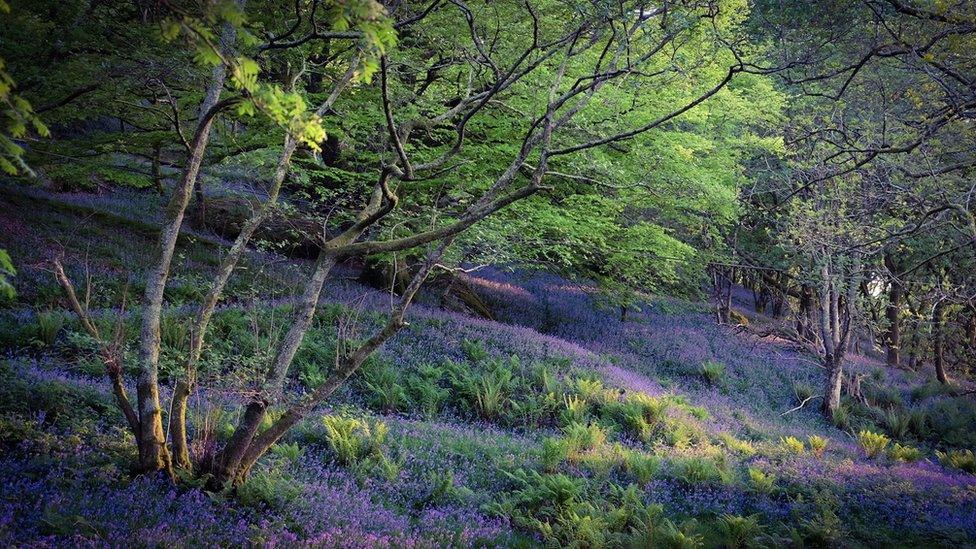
[488,273]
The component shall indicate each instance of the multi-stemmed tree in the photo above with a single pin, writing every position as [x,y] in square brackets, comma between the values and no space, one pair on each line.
[478,108]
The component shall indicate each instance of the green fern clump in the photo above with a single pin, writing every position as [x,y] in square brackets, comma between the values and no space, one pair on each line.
[352,440]
[174,332]
[738,532]
[713,371]
[554,452]
[964,460]
[640,414]
[743,447]
[575,409]
[907,454]
[268,487]
[385,387]
[425,390]
[47,327]
[580,438]
[474,350]
[918,422]
[897,424]
[549,504]
[288,451]
[792,445]
[643,467]
[589,389]
[818,445]
[699,470]
[761,481]
[872,443]
[803,391]
[841,418]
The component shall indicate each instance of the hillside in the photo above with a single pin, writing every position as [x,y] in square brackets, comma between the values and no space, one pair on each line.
[555,423]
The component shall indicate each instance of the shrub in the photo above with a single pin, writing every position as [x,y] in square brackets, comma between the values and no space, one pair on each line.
[49,324]
[872,443]
[905,453]
[352,440]
[792,445]
[739,532]
[964,460]
[818,445]
[761,481]
[713,371]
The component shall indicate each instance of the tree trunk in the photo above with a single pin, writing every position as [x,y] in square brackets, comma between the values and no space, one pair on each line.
[806,318]
[157,171]
[938,347]
[153,454]
[181,394]
[346,367]
[229,460]
[228,35]
[893,314]
[834,382]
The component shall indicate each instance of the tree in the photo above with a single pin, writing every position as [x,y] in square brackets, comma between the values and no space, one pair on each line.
[539,93]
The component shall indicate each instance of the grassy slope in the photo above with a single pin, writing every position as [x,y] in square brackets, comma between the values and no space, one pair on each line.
[452,477]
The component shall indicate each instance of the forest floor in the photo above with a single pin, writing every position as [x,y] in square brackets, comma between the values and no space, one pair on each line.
[554,423]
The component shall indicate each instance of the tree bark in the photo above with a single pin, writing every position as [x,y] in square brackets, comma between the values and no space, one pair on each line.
[938,346]
[228,35]
[346,367]
[153,454]
[181,394]
[157,171]
[834,382]
[893,315]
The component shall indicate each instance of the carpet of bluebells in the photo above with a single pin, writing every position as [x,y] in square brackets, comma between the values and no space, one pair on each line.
[727,462]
